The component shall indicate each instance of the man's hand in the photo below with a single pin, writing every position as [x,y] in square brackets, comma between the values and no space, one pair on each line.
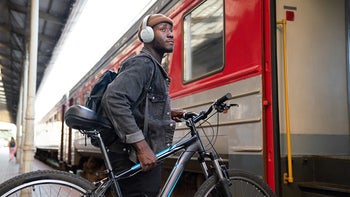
[176,114]
[145,155]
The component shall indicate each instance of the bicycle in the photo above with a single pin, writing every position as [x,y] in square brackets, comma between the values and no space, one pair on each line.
[220,181]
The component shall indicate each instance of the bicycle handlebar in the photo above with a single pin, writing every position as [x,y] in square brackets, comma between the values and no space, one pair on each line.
[219,105]
[223,99]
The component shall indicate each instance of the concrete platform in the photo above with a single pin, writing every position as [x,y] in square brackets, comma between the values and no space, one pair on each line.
[9,169]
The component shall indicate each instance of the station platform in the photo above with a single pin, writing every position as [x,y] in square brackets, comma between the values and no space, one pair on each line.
[9,169]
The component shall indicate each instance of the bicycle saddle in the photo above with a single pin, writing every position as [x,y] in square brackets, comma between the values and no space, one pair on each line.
[83,118]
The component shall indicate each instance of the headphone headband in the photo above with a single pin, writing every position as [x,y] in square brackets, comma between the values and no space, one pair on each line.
[146,34]
[145,20]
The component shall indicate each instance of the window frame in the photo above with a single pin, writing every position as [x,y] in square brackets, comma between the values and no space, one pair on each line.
[214,71]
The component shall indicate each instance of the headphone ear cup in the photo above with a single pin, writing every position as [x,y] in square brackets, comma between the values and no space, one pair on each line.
[147,34]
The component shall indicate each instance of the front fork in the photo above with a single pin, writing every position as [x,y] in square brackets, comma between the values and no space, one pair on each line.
[220,170]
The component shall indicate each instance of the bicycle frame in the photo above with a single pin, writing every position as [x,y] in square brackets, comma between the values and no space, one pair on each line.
[190,146]
[89,123]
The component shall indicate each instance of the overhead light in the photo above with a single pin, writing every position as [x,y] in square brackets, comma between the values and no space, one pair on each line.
[3,100]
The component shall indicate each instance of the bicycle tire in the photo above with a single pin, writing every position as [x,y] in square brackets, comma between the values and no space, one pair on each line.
[242,184]
[46,183]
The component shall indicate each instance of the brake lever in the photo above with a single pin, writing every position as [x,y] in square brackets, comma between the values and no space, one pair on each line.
[224,107]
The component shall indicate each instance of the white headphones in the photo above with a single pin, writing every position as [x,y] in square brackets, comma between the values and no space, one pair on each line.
[147,34]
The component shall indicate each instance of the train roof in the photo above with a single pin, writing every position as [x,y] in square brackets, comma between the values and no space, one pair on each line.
[161,6]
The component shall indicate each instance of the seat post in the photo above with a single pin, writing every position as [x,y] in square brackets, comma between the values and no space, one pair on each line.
[108,164]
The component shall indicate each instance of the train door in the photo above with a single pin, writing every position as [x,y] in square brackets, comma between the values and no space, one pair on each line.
[222,50]
[313,91]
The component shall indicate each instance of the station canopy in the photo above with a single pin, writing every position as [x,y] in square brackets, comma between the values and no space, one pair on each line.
[54,17]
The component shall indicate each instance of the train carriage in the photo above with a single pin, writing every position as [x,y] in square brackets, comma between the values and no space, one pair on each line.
[286,64]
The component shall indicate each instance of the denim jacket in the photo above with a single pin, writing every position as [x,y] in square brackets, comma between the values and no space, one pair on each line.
[125,90]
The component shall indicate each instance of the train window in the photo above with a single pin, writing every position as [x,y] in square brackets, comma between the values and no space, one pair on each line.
[203,40]
[165,62]
[86,96]
[54,118]
[77,101]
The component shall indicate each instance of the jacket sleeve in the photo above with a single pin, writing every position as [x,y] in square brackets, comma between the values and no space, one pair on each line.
[122,93]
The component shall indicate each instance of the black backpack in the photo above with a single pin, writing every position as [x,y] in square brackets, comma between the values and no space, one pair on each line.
[94,101]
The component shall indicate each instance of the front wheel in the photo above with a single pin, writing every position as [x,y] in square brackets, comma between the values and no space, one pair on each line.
[242,184]
[46,183]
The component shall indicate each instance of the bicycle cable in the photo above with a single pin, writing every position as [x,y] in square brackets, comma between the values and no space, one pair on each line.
[210,142]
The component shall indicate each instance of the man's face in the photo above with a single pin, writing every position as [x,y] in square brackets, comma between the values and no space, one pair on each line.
[163,37]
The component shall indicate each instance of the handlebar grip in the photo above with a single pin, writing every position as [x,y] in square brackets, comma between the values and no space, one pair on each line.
[223,99]
[188,115]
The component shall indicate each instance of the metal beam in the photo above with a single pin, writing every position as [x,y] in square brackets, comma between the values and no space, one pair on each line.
[4,27]
[8,46]
[42,15]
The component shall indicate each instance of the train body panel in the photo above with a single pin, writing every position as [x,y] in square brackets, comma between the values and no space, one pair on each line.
[240,129]
[238,46]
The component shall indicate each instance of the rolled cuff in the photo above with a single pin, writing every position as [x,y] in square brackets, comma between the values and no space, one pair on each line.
[134,137]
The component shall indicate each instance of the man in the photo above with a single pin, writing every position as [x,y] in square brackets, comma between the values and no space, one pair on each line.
[138,142]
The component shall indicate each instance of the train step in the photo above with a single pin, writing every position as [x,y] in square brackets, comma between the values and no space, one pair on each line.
[319,176]
[320,189]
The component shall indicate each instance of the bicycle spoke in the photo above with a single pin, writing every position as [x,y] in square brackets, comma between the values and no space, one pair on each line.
[243,184]
[46,183]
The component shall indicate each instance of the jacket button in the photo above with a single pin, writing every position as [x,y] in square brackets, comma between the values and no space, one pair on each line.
[171,124]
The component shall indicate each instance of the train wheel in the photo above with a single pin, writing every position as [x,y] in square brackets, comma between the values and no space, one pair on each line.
[46,183]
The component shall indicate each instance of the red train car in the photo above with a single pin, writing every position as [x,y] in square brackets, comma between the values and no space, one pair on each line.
[290,79]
